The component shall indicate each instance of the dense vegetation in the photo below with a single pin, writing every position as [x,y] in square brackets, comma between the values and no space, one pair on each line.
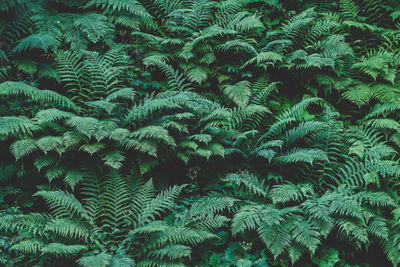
[199,133]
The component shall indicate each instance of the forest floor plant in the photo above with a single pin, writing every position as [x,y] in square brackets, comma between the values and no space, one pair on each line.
[199,133]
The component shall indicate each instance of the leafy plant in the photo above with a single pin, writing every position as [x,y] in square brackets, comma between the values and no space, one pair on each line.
[280,116]
[117,222]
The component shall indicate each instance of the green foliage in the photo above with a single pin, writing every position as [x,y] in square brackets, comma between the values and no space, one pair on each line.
[10,89]
[281,117]
[117,212]
[40,41]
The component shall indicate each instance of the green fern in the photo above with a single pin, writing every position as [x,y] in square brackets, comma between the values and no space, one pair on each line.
[10,89]
[95,26]
[124,210]
[40,41]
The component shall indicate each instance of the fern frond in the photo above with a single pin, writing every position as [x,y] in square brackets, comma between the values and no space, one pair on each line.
[37,95]
[249,181]
[172,252]
[63,203]
[73,74]
[307,155]
[161,203]
[239,93]
[14,126]
[124,93]
[73,177]
[200,15]
[114,159]
[102,260]
[61,249]
[104,78]
[84,125]
[154,132]
[95,26]
[22,148]
[290,193]
[42,41]
[132,7]
[197,74]
[289,116]
[29,246]
[114,202]
[52,115]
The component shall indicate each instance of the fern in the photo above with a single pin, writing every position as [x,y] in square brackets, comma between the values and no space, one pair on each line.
[13,126]
[285,110]
[40,41]
[103,77]
[61,249]
[239,93]
[134,7]
[249,181]
[291,226]
[63,203]
[73,74]
[302,155]
[199,16]
[23,148]
[101,259]
[126,211]
[95,26]
[40,96]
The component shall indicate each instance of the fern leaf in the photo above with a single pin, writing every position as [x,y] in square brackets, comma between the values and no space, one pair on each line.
[101,260]
[307,155]
[61,249]
[23,148]
[172,252]
[249,181]
[239,93]
[114,159]
[161,203]
[42,41]
[29,246]
[95,26]
[40,96]
[73,177]
[63,203]
[14,126]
